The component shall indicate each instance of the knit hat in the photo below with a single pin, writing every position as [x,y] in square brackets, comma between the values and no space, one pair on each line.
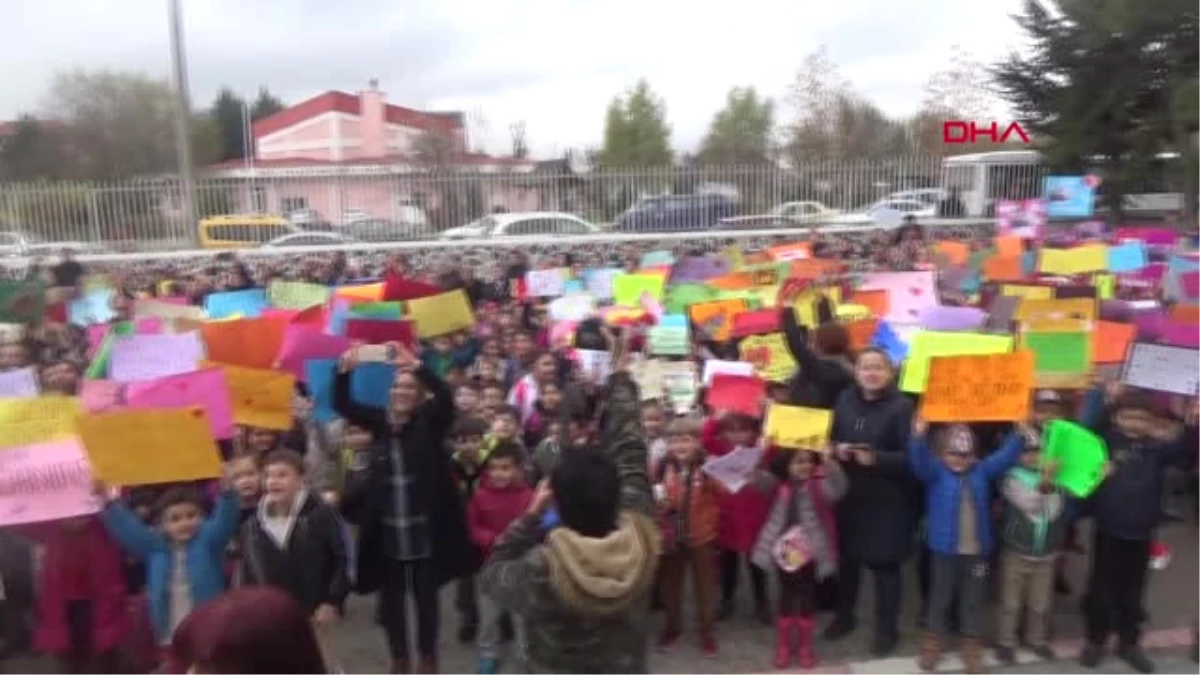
[958,439]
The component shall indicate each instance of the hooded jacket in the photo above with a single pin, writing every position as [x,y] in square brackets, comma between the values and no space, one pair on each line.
[585,600]
[492,509]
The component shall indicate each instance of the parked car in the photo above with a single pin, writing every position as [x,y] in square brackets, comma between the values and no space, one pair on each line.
[310,239]
[308,219]
[674,213]
[882,212]
[52,249]
[521,225]
[930,196]
[379,229]
[787,214]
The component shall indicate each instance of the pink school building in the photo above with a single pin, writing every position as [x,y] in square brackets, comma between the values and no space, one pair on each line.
[354,156]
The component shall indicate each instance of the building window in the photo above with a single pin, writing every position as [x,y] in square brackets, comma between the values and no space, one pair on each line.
[289,204]
[258,199]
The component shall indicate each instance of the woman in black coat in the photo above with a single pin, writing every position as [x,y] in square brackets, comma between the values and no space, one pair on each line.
[878,516]
[825,367]
[412,535]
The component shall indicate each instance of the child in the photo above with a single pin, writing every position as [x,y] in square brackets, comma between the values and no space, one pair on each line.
[81,615]
[295,541]
[1126,508]
[654,420]
[466,463]
[958,526]
[742,514]
[689,518]
[184,556]
[803,513]
[506,427]
[502,497]
[245,476]
[1035,526]
[491,399]
[545,409]
[466,399]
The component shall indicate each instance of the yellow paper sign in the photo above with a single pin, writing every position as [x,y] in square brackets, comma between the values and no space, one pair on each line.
[791,426]
[441,314]
[260,398]
[145,447]
[1069,315]
[1028,292]
[927,344]
[1071,261]
[853,312]
[806,305]
[25,421]
[770,356]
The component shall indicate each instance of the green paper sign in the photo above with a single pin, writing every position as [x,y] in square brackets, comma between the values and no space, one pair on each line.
[389,311]
[1080,454]
[22,301]
[1060,352]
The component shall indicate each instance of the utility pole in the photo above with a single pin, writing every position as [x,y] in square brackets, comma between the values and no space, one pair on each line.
[183,112]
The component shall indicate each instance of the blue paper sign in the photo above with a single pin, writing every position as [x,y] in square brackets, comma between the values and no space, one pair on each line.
[92,308]
[1130,256]
[248,304]
[886,339]
[370,384]
[1068,197]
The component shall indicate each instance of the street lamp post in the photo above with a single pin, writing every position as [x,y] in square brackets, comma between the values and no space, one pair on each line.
[183,112]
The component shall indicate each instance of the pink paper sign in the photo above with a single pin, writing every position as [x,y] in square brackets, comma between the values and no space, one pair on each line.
[205,388]
[306,343]
[97,396]
[909,293]
[45,481]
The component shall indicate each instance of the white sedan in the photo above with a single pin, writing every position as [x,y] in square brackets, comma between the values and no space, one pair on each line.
[522,225]
[886,213]
[787,214]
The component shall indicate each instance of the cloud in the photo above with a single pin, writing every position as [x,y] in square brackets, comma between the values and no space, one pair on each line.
[554,64]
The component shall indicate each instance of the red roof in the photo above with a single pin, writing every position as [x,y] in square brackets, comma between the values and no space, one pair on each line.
[340,101]
[461,159]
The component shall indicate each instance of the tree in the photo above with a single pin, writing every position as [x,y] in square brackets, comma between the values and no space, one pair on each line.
[833,123]
[31,151]
[1113,80]
[961,91]
[520,148]
[636,133]
[227,113]
[119,125]
[741,133]
[265,105]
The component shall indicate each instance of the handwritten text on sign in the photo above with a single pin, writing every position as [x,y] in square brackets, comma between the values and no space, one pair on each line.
[45,481]
[979,388]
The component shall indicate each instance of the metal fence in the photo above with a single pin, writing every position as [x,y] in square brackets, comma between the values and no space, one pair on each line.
[398,203]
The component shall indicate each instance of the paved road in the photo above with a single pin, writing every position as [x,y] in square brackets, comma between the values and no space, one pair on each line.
[356,645]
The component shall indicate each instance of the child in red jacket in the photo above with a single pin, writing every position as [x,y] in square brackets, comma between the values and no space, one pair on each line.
[501,497]
[742,513]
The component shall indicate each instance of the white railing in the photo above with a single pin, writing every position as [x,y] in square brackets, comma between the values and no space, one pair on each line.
[148,215]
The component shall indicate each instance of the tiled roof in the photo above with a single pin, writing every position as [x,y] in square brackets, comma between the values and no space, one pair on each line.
[340,101]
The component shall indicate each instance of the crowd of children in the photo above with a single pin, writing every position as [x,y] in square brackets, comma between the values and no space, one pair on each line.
[402,500]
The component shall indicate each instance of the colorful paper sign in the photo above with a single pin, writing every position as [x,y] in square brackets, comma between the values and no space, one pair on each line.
[798,427]
[979,388]
[714,319]
[296,294]
[206,389]
[261,398]
[147,447]
[27,421]
[146,357]
[1062,359]
[770,356]
[441,314]
[925,345]
[45,481]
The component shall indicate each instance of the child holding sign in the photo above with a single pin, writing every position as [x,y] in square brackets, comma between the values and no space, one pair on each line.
[799,540]
[184,556]
[1035,527]
[957,489]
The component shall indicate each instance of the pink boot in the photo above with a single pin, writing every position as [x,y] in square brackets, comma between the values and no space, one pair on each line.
[783,641]
[808,660]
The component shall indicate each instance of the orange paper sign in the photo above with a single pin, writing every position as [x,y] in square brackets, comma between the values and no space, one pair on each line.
[979,388]
[715,319]
[251,343]
[876,301]
[1002,268]
[1110,341]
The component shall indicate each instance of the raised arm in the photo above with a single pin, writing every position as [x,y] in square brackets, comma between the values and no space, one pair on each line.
[438,410]
[136,537]
[624,441]
[364,416]
[796,338]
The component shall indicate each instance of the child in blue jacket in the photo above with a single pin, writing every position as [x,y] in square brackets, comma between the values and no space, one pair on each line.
[184,556]
[958,523]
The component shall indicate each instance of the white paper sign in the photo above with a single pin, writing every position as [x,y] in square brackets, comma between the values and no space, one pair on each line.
[546,283]
[714,367]
[148,357]
[734,470]
[594,364]
[1162,368]
[574,307]
[599,282]
[20,383]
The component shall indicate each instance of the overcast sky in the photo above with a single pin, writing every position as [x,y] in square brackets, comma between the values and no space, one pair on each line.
[553,63]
